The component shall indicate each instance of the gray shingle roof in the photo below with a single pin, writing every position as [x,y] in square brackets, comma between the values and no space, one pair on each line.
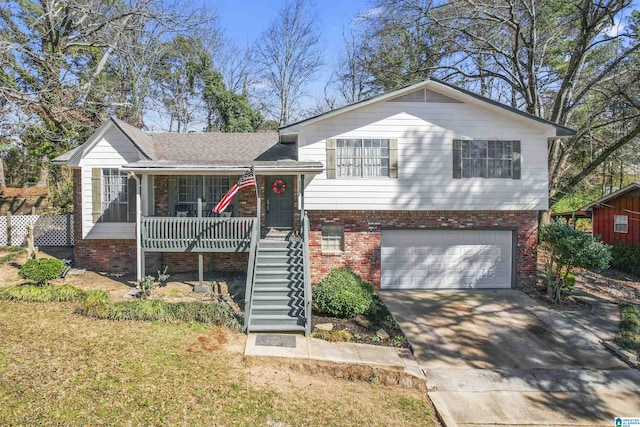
[208,148]
[219,148]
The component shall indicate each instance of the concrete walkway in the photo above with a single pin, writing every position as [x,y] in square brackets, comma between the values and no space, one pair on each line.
[499,358]
[275,345]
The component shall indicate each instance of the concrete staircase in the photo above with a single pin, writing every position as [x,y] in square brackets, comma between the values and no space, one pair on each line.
[277,300]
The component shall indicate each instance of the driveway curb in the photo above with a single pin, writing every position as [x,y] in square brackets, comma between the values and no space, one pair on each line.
[442,411]
[628,357]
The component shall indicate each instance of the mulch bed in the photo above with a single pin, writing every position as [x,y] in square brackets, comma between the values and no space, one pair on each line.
[364,327]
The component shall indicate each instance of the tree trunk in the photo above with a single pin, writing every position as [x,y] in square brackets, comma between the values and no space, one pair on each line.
[44,172]
[3,183]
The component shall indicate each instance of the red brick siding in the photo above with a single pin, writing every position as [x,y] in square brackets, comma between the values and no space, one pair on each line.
[161,195]
[362,236]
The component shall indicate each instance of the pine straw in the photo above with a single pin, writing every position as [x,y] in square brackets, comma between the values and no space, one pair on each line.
[57,368]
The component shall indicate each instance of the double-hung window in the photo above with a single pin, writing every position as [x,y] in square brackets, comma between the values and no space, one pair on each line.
[620,223]
[362,158]
[486,159]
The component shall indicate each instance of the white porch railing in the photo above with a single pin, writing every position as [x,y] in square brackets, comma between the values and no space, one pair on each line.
[187,234]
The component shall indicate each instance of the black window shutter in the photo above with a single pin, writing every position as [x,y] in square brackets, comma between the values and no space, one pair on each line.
[96,194]
[457,159]
[393,158]
[517,160]
[331,158]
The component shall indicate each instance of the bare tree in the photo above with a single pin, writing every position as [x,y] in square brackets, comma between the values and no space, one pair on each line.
[289,55]
[351,79]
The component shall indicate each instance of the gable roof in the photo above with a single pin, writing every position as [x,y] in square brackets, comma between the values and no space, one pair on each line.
[621,192]
[445,89]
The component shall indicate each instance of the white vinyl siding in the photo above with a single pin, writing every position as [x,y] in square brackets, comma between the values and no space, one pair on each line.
[111,150]
[620,223]
[424,134]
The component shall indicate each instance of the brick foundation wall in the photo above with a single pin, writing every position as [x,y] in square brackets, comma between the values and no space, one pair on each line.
[183,262]
[108,255]
[362,237]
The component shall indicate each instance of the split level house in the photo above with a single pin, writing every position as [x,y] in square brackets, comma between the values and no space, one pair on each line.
[425,187]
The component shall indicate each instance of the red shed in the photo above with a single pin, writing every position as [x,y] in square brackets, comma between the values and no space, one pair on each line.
[616,216]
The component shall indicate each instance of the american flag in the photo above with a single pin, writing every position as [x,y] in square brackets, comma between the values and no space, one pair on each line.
[246,180]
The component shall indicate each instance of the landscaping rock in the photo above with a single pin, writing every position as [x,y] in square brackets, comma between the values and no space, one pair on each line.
[382,334]
[362,321]
[324,326]
[133,293]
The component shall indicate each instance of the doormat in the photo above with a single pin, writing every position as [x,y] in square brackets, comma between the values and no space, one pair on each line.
[276,340]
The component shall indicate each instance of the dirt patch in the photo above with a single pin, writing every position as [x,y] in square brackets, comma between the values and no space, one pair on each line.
[569,303]
[268,368]
[610,285]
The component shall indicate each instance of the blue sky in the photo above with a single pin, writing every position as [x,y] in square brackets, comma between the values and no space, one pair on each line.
[243,20]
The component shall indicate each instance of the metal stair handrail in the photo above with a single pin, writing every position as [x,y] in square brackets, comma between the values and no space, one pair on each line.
[307,274]
[251,274]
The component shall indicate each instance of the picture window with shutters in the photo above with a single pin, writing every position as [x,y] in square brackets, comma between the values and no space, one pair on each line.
[620,223]
[362,158]
[486,159]
[117,204]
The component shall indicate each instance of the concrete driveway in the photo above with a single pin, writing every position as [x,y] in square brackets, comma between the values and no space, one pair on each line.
[496,357]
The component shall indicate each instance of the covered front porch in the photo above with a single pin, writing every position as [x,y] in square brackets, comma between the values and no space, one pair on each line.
[175,223]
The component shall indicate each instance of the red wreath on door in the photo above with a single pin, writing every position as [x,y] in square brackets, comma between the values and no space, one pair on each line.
[278,186]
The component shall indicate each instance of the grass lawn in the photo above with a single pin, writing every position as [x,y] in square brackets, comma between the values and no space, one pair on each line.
[58,368]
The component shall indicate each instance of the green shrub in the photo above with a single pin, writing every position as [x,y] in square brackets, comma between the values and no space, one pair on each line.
[12,252]
[42,293]
[157,310]
[569,249]
[625,258]
[41,270]
[343,294]
[629,335]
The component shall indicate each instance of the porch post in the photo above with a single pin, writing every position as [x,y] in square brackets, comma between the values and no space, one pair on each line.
[200,287]
[139,252]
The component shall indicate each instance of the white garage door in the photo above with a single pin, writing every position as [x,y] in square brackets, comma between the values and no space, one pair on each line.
[446,259]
